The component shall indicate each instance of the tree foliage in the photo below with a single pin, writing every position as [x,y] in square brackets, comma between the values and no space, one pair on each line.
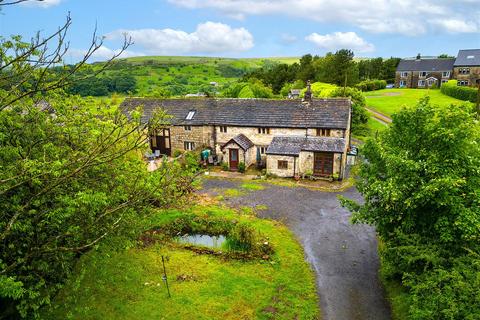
[421,184]
[71,174]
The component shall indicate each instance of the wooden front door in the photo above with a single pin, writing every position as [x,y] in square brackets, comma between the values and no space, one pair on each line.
[323,164]
[233,159]
[160,141]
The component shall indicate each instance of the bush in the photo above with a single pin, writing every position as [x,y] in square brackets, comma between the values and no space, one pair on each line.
[371,85]
[241,167]
[462,93]
[225,166]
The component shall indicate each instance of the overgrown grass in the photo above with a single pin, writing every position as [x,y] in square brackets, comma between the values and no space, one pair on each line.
[389,101]
[253,186]
[128,284]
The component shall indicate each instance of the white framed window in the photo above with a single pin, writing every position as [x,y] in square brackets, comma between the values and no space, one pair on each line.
[403,83]
[422,74]
[421,83]
[444,80]
[187,128]
[446,74]
[188,145]
[264,130]
[463,83]
[223,129]
[404,74]
[262,149]
[464,71]
[190,115]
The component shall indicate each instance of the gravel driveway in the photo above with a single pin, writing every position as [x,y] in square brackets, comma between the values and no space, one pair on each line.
[343,256]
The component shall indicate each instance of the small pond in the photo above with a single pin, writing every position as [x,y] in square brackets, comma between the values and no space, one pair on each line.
[202,240]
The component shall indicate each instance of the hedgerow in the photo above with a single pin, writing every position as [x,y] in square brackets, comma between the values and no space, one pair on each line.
[463,93]
[371,85]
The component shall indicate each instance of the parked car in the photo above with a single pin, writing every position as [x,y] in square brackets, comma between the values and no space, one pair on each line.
[390,86]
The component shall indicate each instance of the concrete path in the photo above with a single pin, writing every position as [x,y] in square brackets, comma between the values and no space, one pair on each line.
[343,256]
[380,116]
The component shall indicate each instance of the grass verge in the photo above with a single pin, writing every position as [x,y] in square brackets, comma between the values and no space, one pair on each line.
[128,284]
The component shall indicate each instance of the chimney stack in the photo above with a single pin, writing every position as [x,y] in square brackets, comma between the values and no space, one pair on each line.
[308,93]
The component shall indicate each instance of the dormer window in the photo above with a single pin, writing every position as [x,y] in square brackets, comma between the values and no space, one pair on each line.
[190,115]
[445,74]
[404,74]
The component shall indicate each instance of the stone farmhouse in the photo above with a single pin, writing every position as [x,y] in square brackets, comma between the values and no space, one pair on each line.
[466,68]
[427,72]
[423,72]
[292,137]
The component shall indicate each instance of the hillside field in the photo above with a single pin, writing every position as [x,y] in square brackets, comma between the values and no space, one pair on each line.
[184,75]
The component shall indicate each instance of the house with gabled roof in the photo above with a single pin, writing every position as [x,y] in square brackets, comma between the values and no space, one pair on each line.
[466,69]
[291,136]
[423,72]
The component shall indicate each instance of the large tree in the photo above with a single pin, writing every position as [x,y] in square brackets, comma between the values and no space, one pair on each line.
[421,184]
[71,173]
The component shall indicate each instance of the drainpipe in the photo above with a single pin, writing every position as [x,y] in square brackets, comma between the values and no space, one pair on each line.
[245,158]
[214,138]
[342,168]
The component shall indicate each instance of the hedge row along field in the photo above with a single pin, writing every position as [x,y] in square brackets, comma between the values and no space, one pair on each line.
[463,93]
[371,85]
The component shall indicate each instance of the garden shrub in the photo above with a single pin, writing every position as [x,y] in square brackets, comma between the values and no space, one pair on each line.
[462,93]
[241,167]
[371,85]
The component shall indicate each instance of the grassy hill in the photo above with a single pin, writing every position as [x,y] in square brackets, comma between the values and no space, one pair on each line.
[179,75]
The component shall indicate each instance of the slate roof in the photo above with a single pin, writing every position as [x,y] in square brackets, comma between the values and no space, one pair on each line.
[292,145]
[468,58]
[431,65]
[242,141]
[319,113]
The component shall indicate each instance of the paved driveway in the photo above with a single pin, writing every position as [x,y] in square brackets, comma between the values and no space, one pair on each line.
[343,256]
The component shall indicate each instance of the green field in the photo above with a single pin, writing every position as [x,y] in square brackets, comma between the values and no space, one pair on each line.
[389,101]
[128,284]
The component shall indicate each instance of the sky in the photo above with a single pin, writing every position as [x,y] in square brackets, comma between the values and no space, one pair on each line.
[254,28]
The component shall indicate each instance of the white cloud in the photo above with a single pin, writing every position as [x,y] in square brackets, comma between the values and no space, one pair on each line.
[208,38]
[456,25]
[43,4]
[409,17]
[340,40]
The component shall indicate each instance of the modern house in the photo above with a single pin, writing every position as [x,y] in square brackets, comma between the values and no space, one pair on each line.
[293,137]
[466,69]
[423,72]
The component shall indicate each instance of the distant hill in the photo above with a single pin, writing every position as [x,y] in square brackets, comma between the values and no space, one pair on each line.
[178,75]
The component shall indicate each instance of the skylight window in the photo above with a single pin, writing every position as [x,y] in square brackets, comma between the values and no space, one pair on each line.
[470,57]
[190,115]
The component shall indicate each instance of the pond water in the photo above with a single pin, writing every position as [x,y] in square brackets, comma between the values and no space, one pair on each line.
[202,240]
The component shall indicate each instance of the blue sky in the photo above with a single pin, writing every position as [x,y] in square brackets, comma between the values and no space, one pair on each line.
[256,28]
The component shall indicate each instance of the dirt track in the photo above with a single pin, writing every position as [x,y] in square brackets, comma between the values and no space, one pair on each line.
[343,256]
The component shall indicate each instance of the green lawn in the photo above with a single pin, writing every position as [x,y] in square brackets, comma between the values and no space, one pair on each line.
[389,101]
[128,284]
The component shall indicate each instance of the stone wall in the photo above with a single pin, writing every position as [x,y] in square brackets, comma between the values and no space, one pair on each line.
[473,77]
[413,77]
[272,165]
[201,135]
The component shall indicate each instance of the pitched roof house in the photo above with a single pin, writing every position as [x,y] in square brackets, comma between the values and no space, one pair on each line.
[244,130]
[423,72]
[466,69]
